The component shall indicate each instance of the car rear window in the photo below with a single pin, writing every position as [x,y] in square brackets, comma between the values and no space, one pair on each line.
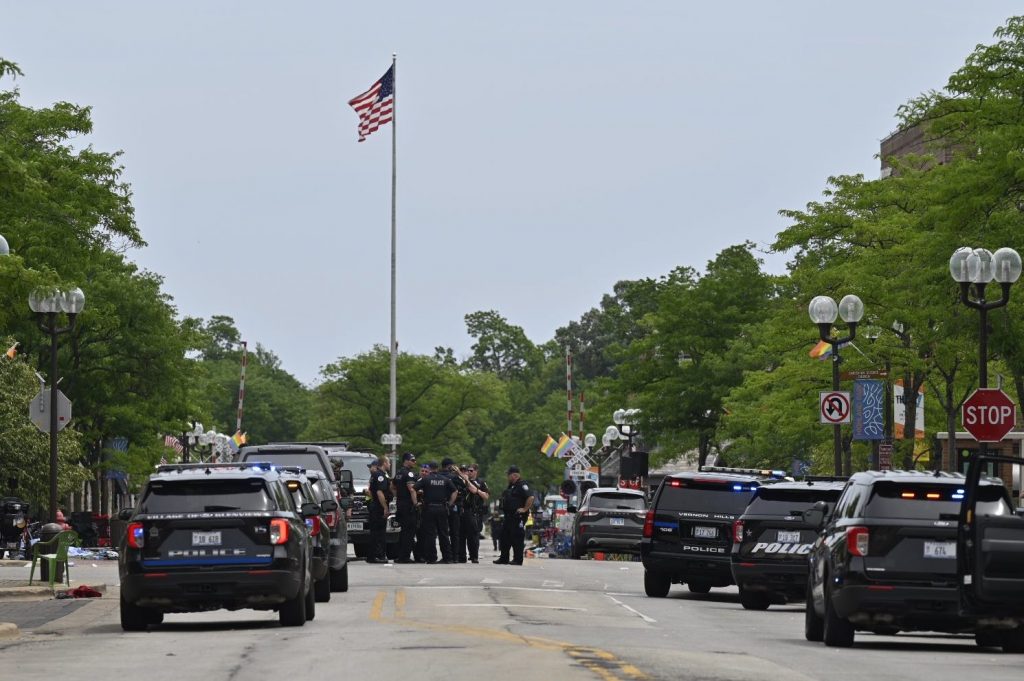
[780,502]
[930,502]
[206,496]
[621,502]
[706,497]
[359,464]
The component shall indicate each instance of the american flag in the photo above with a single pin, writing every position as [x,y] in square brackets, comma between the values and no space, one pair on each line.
[174,443]
[376,106]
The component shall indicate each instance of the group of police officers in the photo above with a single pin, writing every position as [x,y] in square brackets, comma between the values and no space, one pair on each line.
[443,505]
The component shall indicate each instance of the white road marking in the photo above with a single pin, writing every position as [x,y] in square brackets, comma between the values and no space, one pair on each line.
[494,588]
[550,583]
[491,581]
[425,580]
[507,605]
[639,614]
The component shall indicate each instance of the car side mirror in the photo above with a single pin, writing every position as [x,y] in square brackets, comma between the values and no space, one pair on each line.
[345,480]
[570,509]
[125,514]
[815,515]
[310,509]
[329,506]
[346,502]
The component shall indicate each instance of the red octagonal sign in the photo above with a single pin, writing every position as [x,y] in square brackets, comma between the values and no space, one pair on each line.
[988,414]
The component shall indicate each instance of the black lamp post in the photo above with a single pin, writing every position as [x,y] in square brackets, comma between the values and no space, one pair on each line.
[47,306]
[823,311]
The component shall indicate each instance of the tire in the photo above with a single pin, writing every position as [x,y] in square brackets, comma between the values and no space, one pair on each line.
[1013,640]
[293,611]
[814,626]
[838,632]
[754,600]
[699,587]
[311,603]
[322,589]
[136,618]
[988,638]
[339,579]
[575,551]
[360,550]
[656,584]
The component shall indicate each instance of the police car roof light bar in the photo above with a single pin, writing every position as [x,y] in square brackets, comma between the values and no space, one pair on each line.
[238,465]
[747,471]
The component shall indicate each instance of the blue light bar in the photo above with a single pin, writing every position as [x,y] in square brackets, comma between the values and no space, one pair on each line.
[738,488]
[958,496]
[959,491]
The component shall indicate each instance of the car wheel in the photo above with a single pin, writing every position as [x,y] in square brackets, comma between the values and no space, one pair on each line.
[322,589]
[754,600]
[575,551]
[339,579]
[838,632]
[699,587]
[293,611]
[136,618]
[814,626]
[1013,640]
[311,602]
[988,638]
[656,584]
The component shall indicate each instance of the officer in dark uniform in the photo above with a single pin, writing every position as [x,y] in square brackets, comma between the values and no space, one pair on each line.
[455,512]
[475,506]
[405,501]
[379,490]
[439,494]
[516,503]
[418,551]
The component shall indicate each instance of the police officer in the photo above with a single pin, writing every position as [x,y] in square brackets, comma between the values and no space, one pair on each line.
[455,512]
[439,494]
[404,486]
[475,505]
[418,551]
[516,503]
[379,490]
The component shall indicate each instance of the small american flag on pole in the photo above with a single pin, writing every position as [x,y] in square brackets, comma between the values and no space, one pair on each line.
[174,443]
[376,106]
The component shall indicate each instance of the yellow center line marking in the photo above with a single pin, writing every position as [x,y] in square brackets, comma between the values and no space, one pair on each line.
[601,662]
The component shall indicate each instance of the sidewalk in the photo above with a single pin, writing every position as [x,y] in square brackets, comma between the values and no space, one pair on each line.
[32,604]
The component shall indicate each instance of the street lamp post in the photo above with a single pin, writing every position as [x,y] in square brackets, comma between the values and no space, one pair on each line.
[190,439]
[47,306]
[823,311]
[624,428]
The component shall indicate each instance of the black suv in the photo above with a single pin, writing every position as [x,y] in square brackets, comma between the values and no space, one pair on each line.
[771,540]
[609,519]
[687,534]
[212,536]
[886,559]
[300,485]
[359,522]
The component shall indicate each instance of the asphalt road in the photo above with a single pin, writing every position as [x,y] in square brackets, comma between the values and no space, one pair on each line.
[551,619]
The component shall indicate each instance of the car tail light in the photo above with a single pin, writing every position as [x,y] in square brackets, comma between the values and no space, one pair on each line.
[737,531]
[136,536]
[278,531]
[314,525]
[857,541]
[332,519]
[649,525]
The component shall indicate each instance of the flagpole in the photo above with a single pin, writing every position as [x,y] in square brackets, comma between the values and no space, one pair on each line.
[393,411]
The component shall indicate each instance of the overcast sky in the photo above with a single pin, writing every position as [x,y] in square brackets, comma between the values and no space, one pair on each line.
[545,151]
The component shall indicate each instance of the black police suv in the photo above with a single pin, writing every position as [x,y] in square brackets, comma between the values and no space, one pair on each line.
[886,558]
[687,534]
[300,485]
[609,519]
[216,536]
[771,541]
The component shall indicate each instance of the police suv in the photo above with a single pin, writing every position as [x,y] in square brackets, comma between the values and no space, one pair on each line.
[771,540]
[216,536]
[687,535]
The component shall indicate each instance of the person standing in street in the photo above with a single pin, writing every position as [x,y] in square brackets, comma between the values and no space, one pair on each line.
[475,505]
[455,511]
[438,496]
[379,489]
[516,503]
[404,486]
[419,550]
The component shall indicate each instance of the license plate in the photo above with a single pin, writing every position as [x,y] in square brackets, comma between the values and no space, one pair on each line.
[206,538]
[789,537]
[618,522]
[355,526]
[940,549]
[705,532]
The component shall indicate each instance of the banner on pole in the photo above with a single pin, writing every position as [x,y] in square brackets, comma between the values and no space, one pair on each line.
[868,409]
[900,412]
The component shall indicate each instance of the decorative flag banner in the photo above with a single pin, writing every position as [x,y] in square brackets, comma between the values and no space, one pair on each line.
[549,447]
[868,410]
[823,350]
[174,443]
[565,444]
[12,351]
[899,408]
[239,438]
[376,106]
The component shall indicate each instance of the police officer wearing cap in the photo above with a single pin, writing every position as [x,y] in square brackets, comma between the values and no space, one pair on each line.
[404,486]
[516,503]
[475,505]
[455,511]
[380,490]
[438,492]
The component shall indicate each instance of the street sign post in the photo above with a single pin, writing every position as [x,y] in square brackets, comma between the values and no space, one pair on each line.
[834,407]
[39,410]
[988,414]
[388,439]
[885,450]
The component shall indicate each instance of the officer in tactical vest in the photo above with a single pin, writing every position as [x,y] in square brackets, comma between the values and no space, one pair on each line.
[516,503]
[438,492]
[380,497]
[455,512]
[475,506]
[405,502]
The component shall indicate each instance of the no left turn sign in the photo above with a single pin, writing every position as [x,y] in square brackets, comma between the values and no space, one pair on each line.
[834,407]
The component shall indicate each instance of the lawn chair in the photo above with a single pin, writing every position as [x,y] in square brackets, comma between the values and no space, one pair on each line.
[54,551]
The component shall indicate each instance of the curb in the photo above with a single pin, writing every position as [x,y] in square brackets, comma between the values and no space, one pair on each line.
[35,592]
[8,631]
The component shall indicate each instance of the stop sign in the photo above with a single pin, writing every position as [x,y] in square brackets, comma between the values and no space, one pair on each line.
[988,414]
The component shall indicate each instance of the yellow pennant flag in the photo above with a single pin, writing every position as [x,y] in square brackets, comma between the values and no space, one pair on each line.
[12,351]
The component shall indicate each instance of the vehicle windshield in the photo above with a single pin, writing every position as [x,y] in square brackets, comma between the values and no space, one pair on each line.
[931,502]
[359,464]
[206,496]
[783,502]
[705,497]
[616,502]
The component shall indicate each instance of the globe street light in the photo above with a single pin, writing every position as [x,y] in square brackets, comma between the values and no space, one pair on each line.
[823,311]
[47,305]
[190,439]
[4,248]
